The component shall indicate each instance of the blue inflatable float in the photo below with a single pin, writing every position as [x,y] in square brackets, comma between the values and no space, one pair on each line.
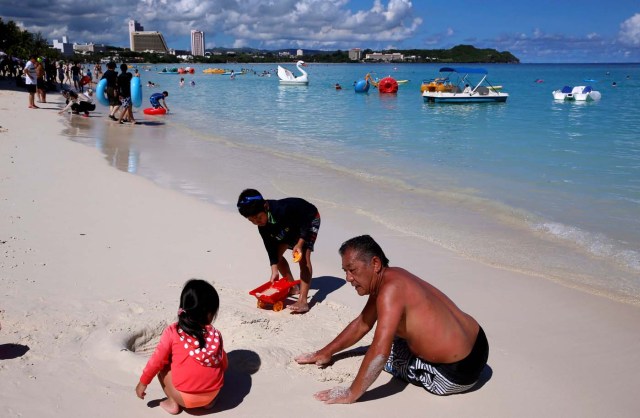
[136,92]
[101,93]
[362,86]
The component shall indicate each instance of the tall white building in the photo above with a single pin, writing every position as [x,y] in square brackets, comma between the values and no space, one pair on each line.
[197,43]
[355,54]
[133,27]
[65,47]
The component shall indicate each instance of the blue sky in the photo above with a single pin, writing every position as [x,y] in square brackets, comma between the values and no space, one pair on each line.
[536,32]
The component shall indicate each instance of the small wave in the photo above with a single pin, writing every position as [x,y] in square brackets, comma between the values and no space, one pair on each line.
[596,244]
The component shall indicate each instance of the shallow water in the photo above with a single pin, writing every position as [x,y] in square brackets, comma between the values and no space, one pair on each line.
[535,185]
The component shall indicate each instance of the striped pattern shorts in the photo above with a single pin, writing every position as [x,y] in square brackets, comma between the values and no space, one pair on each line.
[402,364]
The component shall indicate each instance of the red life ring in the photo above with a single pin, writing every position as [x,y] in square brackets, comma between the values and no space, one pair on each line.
[155,111]
[388,85]
[85,80]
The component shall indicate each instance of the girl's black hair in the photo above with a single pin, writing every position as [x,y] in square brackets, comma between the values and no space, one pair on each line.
[198,301]
[250,203]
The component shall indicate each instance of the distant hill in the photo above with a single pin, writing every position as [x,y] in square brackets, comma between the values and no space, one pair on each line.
[457,54]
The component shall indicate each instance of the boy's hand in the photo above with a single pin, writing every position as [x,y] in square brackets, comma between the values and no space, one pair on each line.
[297,253]
[140,390]
[274,276]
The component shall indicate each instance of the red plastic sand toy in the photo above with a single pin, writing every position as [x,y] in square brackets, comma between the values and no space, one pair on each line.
[273,293]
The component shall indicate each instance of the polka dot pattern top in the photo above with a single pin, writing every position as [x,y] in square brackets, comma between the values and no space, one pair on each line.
[211,354]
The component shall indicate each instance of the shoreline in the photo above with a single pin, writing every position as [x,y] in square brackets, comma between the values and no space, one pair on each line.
[555,230]
[454,217]
[94,257]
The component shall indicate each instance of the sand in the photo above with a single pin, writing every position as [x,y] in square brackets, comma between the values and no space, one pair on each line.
[93,260]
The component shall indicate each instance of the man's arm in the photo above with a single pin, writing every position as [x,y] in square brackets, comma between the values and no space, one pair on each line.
[352,333]
[390,309]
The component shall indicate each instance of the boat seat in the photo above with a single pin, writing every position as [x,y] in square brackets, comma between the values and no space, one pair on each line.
[566,89]
[587,90]
[456,89]
[482,90]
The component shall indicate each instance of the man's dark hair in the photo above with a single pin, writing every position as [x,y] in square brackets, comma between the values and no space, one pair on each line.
[366,248]
[123,67]
[111,65]
[250,203]
[166,93]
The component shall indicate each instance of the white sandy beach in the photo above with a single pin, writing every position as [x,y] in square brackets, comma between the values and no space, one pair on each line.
[93,260]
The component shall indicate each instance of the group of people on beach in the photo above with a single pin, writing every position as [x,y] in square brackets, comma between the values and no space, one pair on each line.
[421,336]
[118,88]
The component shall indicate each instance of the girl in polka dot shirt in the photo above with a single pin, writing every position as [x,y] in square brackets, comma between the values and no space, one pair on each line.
[190,359]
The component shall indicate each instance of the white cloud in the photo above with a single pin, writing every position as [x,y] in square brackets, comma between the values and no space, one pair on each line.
[278,23]
[630,31]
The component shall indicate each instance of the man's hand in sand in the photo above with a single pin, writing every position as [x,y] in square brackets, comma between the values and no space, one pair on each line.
[140,390]
[313,358]
[338,394]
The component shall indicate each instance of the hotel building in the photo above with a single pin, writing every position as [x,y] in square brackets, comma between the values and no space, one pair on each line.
[141,40]
[197,43]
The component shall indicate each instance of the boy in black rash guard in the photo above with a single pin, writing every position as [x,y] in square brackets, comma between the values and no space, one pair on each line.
[112,89]
[290,223]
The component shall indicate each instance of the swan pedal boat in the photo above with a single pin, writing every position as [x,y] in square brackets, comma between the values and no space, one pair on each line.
[445,91]
[288,79]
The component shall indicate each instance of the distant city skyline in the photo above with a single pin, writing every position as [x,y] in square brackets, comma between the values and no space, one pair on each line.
[544,31]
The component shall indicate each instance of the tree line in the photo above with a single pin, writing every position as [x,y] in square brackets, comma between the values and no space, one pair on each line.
[16,42]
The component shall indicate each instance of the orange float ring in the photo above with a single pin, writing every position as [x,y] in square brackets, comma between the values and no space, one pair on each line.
[155,111]
[388,85]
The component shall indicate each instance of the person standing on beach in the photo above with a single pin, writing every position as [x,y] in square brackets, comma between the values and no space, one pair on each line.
[112,89]
[31,80]
[290,223]
[41,83]
[75,76]
[189,360]
[67,72]
[124,88]
[60,69]
[422,337]
[97,70]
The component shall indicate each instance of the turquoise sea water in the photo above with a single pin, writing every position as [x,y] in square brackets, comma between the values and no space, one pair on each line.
[536,185]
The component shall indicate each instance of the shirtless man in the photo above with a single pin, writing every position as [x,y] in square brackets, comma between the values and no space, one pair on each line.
[422,337]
